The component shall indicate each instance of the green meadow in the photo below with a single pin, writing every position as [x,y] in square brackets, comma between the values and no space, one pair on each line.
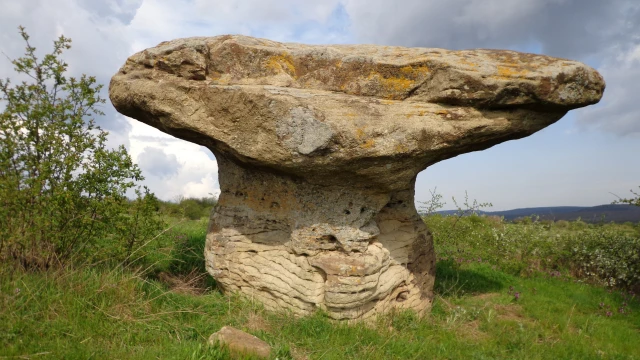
[494,300]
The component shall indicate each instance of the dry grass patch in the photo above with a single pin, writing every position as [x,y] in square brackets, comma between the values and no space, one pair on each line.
[192,283]
[510,312]
[256,322]
[471,330]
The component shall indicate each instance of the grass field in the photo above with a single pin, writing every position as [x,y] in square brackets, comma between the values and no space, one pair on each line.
[167,308]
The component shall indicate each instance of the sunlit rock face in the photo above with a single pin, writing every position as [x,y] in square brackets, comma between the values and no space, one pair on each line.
[319,147]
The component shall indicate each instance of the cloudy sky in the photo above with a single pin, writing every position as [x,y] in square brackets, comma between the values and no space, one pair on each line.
[581,160]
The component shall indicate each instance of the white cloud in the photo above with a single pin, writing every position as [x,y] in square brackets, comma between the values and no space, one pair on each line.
[195,172]
[619,112]
[156,162]
[566,28]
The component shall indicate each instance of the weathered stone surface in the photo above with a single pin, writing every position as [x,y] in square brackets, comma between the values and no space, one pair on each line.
[240,342]
[319,147]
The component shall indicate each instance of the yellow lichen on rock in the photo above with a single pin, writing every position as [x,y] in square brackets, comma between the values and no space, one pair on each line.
[414,72]
[396,85]
[368,144]
[281,63]
[401,148]
[468,63]
[510,72]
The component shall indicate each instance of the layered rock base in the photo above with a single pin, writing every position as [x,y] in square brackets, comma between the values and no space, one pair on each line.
[319,147]
[352,252]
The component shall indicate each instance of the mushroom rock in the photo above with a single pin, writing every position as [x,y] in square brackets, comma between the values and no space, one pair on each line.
[318,149]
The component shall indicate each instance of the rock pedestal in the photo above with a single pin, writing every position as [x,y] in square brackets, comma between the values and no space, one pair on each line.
[319,147]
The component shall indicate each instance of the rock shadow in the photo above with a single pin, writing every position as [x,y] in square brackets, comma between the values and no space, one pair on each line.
[451,280]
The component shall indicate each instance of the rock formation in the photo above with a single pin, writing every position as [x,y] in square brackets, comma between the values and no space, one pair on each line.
[319,147]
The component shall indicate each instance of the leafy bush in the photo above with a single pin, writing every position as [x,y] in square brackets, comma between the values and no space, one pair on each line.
[607,255]
[190,208]
[62,192]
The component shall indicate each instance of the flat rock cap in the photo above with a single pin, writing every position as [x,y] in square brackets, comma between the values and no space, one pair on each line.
[317,111]
[490,78]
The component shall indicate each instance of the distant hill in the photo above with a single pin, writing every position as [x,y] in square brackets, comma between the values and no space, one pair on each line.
[615,213]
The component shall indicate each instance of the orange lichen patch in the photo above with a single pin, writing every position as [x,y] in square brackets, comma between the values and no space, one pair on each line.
[467,63]
[508,72]
[367,144]
[397,82]
[393,84]
[421,70]
[442,112]
[281,63]
[359,133]
[338,64]
[396,85]
[401,148]
[413,72]
[407,70]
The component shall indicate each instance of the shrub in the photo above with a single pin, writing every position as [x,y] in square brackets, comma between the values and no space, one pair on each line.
[62,192]
[191,208]
[606,255]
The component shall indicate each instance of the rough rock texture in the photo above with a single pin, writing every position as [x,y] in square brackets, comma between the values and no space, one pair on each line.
[240,342]
[319,147]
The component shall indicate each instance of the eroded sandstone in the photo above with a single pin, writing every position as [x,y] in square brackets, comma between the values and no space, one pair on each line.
[319,147]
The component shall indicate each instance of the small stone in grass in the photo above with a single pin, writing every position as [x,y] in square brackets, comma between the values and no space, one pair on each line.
[240,342]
